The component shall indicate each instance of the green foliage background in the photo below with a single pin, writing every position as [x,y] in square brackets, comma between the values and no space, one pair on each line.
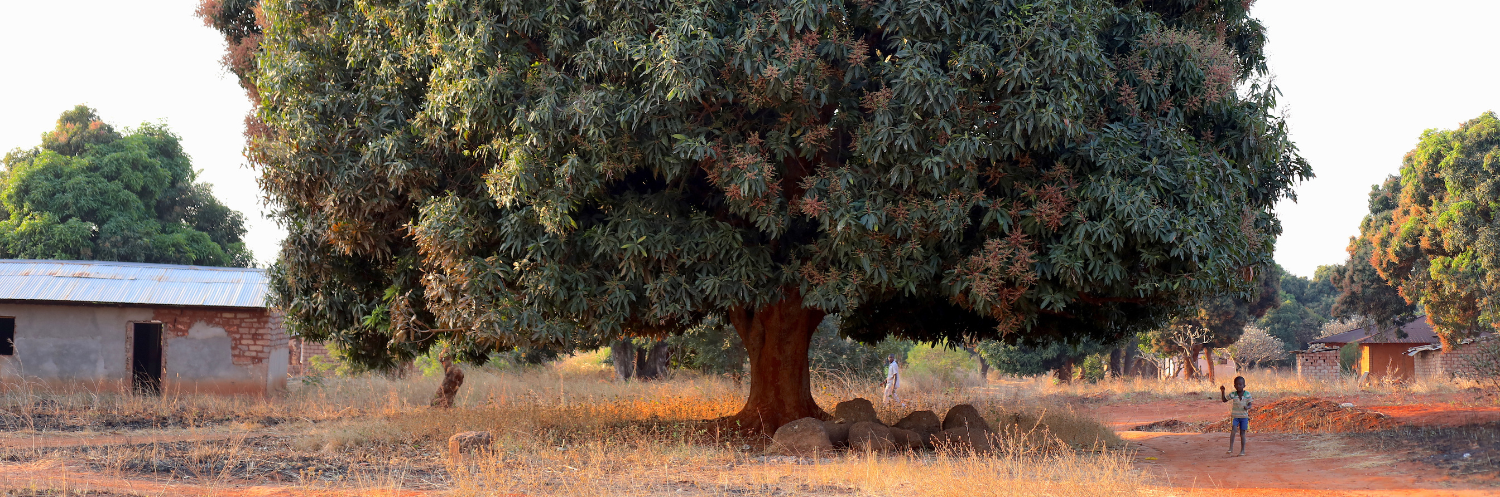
[91,193]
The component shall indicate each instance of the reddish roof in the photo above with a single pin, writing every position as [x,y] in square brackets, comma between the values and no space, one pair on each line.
[1418,332]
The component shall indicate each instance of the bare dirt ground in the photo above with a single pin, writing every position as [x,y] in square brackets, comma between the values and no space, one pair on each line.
[1411,460]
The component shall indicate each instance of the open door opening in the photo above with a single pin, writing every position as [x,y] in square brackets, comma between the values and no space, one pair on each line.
[145,361]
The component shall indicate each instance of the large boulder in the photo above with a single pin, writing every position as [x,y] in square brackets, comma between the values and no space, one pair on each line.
[838,433]
[854,411]
[965,415]
[924,422]
[869,436]
[803,437]
[907,439]
[963,438]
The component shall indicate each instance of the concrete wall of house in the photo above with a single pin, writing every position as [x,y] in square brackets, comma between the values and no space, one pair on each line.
[1386,361]
[1319,366]
[204,350]
[71,346]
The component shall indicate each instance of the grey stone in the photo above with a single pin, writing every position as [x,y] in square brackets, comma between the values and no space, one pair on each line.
[802,437]
[838,433]
[964,415]
[870,436]
[854,411]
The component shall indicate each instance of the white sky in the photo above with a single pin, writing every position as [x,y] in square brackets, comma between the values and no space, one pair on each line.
[1361,81]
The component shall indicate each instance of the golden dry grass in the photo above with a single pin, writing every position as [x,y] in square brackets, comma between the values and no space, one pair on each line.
[563,430]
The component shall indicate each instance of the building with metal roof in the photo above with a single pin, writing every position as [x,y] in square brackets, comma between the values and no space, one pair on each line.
[157,328]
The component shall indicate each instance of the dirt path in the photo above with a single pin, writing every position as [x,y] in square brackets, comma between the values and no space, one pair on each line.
[1279,464]
[57,475]
[53,440]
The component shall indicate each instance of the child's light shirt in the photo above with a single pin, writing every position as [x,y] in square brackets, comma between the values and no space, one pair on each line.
[1239,406]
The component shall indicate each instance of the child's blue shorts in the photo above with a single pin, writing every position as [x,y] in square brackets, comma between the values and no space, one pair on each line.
[1240,424]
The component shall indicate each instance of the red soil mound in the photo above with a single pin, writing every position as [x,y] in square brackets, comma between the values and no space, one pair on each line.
[1310,415]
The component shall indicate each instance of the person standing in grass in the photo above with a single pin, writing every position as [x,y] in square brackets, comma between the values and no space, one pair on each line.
[892,379]
[1239,412]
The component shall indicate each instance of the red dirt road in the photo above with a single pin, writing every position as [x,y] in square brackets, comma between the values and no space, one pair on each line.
[1286,464]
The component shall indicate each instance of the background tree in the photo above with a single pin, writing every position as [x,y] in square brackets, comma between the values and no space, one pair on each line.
[567,173]
[91,193]
[1255,346]
[1306,303]
[1364,292]
[1216,321]
[1437,245]
[1057,357]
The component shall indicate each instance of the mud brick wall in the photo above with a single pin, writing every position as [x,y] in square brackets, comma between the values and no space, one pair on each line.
[1319,366]
[1429,365]
[1456,362]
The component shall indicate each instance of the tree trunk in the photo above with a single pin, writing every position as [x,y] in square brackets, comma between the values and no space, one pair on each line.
[656,363]
[1190,363]
[984,366]
[622,354]
[1064,373]
[453,377]
[776,340]
[1208,358]
[1116,361]
[1132,358]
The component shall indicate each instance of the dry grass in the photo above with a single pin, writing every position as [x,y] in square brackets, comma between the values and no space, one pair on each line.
[562,430]
[1264,383]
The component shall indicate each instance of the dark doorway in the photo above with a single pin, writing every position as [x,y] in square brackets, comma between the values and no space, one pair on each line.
[145,362]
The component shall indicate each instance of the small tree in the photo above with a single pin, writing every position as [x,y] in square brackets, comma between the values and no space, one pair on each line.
[1257,345]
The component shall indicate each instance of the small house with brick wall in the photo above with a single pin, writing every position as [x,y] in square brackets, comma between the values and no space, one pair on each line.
[1382,352]
[152,328]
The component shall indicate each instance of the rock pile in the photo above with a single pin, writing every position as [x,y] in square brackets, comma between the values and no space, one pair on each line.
[856,426]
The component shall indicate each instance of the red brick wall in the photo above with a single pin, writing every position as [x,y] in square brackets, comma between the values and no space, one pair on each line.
[253,332]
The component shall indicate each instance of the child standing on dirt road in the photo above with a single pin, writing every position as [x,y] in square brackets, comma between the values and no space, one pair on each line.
[1239,411]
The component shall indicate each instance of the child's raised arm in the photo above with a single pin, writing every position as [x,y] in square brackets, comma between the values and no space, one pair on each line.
[1222,397]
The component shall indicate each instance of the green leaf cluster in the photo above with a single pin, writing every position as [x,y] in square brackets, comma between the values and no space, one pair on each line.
[91,193]
[559,173]
[1431,235]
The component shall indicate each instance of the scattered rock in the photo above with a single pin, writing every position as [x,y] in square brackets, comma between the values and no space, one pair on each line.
[922,422]
[869,436]
[802,437]
[854,411]
[468,441]
[965,415]
[963,438]
[838,433]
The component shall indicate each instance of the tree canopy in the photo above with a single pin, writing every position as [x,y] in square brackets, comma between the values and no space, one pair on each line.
[1431,234]
[89,192]
[1306,304]
[558,173]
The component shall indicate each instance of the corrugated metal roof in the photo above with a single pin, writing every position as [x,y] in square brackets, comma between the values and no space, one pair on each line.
[1417,332]
[131,283]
